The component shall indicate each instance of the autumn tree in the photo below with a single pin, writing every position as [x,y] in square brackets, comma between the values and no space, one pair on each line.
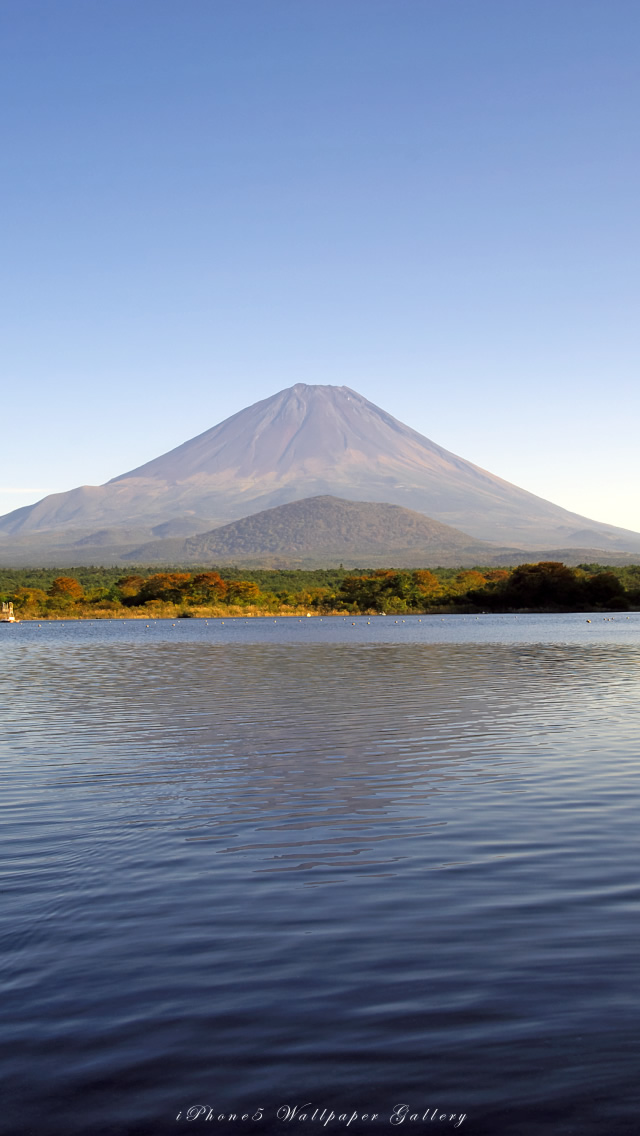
[129,586]
[65,587]
[168,586]
[425,580]
[242,591]
[29,600]
[208,587]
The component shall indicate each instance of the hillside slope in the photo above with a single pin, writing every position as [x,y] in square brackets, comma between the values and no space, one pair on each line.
[332,526]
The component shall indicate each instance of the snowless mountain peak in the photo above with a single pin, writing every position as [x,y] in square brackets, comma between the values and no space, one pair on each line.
[313,440]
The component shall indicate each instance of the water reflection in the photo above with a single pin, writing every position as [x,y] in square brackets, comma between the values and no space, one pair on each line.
[343,871]
[305,747]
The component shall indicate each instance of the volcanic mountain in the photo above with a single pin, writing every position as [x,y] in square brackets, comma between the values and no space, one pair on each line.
[306,441]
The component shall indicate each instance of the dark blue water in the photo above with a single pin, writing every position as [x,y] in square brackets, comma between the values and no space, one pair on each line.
[355,863]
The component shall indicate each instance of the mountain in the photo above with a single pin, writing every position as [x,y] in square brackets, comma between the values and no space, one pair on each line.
[324,527]
[327,531]
[306,441]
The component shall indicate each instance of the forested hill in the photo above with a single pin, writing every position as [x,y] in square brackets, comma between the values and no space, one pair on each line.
[329,526]
[326,531]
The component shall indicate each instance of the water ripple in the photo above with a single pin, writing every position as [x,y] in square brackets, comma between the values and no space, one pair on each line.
[253,869]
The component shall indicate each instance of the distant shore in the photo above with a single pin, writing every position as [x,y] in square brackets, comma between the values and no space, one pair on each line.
[38,595]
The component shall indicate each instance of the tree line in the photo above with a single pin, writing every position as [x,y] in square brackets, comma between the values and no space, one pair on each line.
[543,586]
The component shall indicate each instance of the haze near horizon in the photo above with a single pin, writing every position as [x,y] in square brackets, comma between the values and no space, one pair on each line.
[433,205]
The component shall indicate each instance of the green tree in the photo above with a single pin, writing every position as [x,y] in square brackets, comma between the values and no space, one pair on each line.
[29,601]
[605,590]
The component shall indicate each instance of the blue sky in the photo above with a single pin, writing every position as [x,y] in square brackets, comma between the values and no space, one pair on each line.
[434,202]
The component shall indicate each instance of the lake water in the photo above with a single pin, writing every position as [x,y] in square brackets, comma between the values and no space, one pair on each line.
[344,864]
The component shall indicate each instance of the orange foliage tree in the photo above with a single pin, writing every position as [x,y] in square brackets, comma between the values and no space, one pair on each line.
[168,586]
[208,587]
[130,585]
[65,587]
[242,591]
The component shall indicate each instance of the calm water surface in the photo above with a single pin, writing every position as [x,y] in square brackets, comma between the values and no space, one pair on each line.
[358,863]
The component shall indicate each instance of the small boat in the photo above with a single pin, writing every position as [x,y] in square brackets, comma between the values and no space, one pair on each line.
[6,615]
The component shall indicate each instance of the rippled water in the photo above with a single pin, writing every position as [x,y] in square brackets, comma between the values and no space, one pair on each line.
[356,863]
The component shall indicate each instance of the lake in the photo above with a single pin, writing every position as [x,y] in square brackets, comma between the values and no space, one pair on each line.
[382,868]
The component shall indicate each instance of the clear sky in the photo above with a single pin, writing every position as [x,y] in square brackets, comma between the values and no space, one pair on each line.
[434,202]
